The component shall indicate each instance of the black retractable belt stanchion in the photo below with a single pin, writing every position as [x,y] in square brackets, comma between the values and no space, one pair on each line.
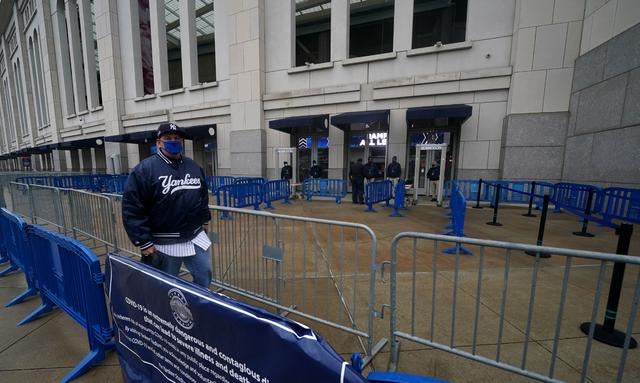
[531,194]
[606,333]
[478,196]
[585,220]
[543,222]
[495,208]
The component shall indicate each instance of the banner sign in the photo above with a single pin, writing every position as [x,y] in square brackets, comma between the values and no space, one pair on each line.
[169,330]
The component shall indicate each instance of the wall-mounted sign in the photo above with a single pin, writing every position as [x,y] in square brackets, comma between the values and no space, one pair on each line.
[374,139]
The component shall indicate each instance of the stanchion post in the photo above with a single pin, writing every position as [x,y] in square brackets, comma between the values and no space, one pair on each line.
[532,192]
[543,222]
[585,220]
[495,207]
[478,196]
[606,333]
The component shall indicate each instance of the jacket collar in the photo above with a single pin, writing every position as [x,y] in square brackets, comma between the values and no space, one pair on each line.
[167,159]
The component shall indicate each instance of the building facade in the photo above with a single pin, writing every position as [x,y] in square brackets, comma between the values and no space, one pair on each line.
[516,89]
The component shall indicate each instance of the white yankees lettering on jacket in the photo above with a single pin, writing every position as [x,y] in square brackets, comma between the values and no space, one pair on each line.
[169,185]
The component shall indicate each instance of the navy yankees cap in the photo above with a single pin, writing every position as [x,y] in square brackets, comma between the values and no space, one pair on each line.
[170,127]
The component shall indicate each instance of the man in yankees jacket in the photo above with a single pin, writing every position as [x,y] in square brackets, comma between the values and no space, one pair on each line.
[165,208]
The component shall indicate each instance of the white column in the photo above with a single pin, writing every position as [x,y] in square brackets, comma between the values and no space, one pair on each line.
[402,25]
[73,34]
[188,44]
[339,29]
[159,46]
[89,54]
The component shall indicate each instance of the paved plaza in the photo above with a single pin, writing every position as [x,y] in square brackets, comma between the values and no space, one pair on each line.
[46,349]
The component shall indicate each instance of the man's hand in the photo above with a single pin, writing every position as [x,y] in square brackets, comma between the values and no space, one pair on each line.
[149,251]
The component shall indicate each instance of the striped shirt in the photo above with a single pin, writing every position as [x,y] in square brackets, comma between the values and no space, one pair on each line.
[186,249]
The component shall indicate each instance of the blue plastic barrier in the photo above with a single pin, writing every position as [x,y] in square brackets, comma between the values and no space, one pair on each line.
[276,190]
[69,277]
[541,188]
[398,199]
[621,204]
[573,197]
[322,187]
[214,182]
[17,249]
[377,191]
[239,195]
[458,206]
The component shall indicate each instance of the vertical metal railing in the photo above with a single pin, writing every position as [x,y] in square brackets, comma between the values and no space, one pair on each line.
[501,293]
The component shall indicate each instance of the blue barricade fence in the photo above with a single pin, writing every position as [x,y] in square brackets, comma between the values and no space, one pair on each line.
[399,194]
[621,204]
[17,250]
[458,205]
[214,182]
[244,345]
[97,183]
[239,195]
[68,276]
[377,191]
[322,187]
[574,197]
[276,190]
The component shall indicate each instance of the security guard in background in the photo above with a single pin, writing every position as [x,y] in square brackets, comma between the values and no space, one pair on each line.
[315,171]
[287,172]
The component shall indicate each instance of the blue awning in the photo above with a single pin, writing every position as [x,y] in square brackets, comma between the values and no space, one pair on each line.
[460,111]
[143,137]
[344,120]
[291,124]
[81,144]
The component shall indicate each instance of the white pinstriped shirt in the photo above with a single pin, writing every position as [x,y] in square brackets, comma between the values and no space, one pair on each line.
[186,249]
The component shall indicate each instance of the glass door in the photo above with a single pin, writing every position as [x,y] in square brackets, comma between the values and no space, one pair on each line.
[322,155]
[305,154]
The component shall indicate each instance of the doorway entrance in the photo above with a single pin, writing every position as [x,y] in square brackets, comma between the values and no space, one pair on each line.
[314,148]
[437,152]
[286,154]
[365,144]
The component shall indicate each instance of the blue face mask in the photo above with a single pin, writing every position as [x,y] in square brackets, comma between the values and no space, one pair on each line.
[173,147]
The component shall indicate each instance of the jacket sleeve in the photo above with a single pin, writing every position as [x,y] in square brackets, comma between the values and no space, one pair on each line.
[204,199]
[135,210]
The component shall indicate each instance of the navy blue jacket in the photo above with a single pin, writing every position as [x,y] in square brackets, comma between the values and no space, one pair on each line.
[370,171]
[394,170]
[315,171]
[165,201]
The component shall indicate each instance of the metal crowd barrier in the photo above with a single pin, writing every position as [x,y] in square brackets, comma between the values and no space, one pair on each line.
[214,182]
[498,322]
[79,213]
[249,180]
[275,191]
[68,276]
[15,244]
[322,187]
[621,204]
[312,268]
[377,191]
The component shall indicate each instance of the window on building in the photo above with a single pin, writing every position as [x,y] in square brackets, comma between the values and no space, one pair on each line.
[8,111]
[371,27]
[96,56]
[40,71]
[146,53]
[313,31]
[205,34]
[34,83]
[174,54]
[436,21]
[22,114]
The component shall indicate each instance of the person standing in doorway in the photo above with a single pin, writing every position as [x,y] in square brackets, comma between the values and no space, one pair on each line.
[434,176]
[165,209]
[356,176]
[287,172]
[370,174]
[315,171]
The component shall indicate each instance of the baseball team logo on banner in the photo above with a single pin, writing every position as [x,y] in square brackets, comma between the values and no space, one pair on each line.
[168,330]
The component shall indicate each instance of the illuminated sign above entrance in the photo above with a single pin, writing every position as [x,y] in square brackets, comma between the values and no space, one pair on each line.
[375,139]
